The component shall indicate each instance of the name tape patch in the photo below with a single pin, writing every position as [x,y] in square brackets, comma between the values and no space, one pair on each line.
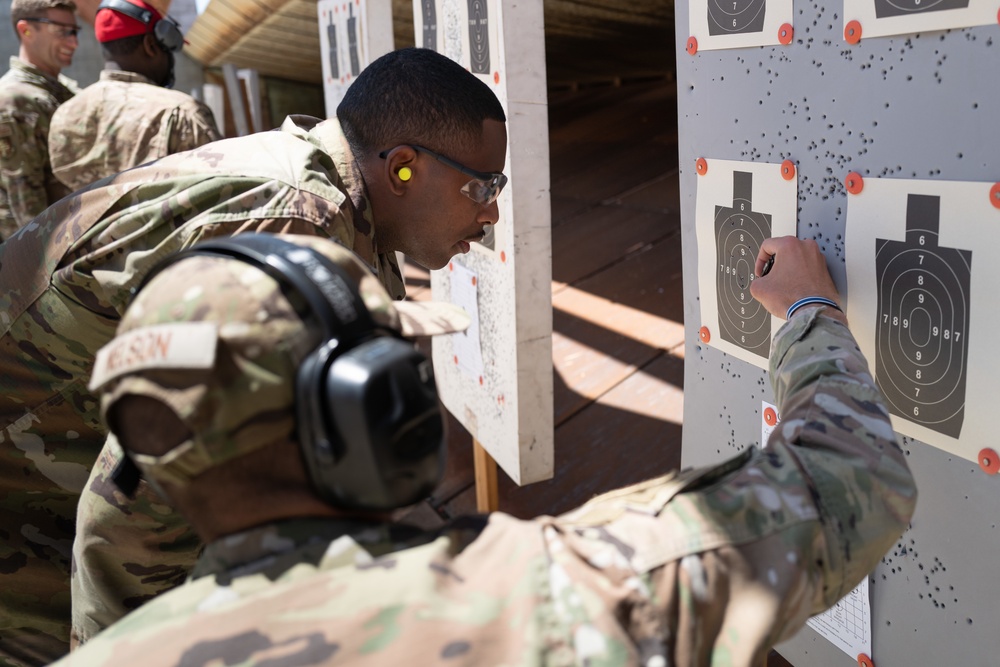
[178,345]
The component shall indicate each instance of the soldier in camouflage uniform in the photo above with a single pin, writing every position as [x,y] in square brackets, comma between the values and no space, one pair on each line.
[66,277]
[705,567]
[30,91]
[130,116]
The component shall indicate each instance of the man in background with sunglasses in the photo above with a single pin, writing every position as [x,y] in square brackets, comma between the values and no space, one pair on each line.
[30,91]
[66,279]
[129,117]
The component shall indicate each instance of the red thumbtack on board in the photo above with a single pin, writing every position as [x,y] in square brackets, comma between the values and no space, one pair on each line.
[989,461]
[852,32]
[704,334]
[786,33]
[701,166]
[865,661]
[788,170]
[770,416]
[692,45]
[995,195]
[854,183]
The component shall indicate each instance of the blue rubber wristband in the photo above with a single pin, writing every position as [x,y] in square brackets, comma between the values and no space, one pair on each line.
[805,301]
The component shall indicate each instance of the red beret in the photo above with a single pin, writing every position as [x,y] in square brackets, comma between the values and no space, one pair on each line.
[110,25]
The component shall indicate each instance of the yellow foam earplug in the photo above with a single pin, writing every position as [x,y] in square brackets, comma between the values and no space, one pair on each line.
[405,173]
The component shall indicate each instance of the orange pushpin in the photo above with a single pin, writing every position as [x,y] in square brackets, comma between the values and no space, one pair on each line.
[704,334]
[788,170]
[852,32]
[701,166]
[854,183]
[989,461]
[786,33]
[865,661]
[770,416]
[692,45]
[995,195]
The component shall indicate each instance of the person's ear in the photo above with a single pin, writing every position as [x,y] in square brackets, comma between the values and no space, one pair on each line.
[150,46]
[400,169]
[23,29]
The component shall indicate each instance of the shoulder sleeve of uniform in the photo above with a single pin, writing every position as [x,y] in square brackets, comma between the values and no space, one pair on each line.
[22,166]
[836,426]
[191,126]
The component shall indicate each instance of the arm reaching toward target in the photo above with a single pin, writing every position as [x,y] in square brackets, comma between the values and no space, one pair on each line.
[798,271]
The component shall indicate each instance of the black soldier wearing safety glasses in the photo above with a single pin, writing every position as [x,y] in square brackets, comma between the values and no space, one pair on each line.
[484,188]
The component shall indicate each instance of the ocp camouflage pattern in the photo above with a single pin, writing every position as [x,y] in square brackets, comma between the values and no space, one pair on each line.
[65,279]
[28,98]
[706,567]
[120,122]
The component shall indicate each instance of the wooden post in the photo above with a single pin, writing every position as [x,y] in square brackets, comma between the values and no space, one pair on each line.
[487,496]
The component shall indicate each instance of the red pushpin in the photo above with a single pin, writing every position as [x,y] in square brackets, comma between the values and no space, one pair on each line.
[852,32]
[786,33]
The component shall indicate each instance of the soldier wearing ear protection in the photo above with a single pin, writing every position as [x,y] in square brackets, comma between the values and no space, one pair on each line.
[129,117]
[275,405]
[332,365]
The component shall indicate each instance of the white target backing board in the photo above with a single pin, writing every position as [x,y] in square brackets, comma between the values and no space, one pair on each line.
[878,18]
[921,279]
[730,24]
[738,205]
[500,386]
[352,33]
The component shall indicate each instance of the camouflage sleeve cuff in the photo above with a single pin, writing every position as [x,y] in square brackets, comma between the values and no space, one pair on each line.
[811,345]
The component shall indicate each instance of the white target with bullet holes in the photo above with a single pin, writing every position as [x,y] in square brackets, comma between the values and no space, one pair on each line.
[738,206]
[731,24]
[920,303]
[879,18]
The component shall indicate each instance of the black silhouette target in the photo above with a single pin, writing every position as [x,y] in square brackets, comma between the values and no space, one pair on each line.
[479,41]
[922,340]
[886,8]
[331,35]
[727,17]
[352,41]
[739,232]
[429,13]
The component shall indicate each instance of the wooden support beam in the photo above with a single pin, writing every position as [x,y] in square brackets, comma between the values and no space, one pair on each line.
[487,495]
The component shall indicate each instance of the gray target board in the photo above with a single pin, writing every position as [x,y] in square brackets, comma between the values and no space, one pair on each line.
[911,108]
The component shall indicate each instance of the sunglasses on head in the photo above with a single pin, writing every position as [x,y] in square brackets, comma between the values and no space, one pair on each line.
[64,29]
[485,186]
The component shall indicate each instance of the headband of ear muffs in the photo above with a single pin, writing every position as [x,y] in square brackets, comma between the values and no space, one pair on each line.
[166,31]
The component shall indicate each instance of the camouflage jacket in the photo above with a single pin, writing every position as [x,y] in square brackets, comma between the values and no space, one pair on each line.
[707,567]
[120,122]
[65,279]
[28,98]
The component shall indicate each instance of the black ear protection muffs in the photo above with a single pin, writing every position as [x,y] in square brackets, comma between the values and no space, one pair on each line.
[166,30]
[368,419]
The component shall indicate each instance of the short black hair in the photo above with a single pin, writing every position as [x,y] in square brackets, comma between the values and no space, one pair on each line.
[416,96]
[124,46]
